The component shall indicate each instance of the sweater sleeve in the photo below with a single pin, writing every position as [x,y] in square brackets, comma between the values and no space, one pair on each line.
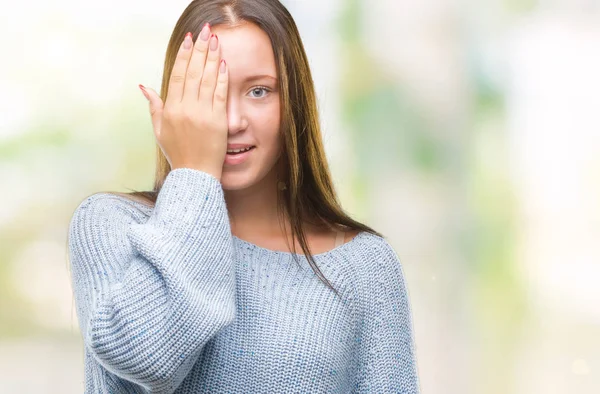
[151,294]
[386,349]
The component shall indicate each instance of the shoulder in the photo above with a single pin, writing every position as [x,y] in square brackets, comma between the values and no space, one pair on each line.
[98,239]
[378,263]
[381,287]
[105,203]
[103,213]
[374,248]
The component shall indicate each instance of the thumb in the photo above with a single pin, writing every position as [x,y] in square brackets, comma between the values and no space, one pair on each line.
[156,107]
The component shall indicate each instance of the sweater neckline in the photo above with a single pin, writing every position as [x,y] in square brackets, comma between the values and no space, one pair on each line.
[266,251]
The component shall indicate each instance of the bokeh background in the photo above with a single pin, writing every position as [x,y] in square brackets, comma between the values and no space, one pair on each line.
[468,132]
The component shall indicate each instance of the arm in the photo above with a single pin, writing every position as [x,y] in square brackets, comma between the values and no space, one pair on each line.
[150,295]
[386,349]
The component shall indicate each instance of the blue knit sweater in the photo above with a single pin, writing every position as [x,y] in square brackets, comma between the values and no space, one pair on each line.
[169,301]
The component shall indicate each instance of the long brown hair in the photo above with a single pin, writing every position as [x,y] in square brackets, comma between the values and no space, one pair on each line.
[310,196]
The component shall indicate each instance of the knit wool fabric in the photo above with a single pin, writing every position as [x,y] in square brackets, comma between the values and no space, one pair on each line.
[169,301]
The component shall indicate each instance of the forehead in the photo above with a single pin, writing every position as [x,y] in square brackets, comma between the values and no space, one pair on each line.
[247,50]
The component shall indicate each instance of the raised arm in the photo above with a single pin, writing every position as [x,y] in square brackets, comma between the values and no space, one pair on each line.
[151,294]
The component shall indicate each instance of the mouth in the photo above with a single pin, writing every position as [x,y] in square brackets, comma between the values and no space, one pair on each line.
[236,152]
[235,158]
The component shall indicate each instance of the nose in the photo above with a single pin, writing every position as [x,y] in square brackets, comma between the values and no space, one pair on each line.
[236,120]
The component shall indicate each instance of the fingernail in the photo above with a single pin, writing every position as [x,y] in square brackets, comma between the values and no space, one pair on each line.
[187,41]
[223,67]
[143,89]
[214,42]
[205,33]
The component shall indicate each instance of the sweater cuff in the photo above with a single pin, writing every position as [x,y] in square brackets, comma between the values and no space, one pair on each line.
[189,205]
[187,201]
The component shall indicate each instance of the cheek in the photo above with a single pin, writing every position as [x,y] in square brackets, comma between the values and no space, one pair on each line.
[266,125]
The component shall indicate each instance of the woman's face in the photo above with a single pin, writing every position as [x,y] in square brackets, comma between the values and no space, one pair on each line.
[253,109]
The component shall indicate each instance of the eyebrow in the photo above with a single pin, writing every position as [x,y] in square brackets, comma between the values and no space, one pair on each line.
[257,77]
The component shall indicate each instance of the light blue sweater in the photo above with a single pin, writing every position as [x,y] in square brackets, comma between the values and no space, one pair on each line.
[169,301]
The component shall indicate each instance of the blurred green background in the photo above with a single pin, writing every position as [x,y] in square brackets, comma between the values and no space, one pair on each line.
[467,132]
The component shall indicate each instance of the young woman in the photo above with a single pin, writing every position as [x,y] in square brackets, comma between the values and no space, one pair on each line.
[193,287]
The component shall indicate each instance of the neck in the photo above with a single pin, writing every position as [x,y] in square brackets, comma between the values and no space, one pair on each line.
[253,210]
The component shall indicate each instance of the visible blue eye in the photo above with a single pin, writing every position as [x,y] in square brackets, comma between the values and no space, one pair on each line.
[260,89]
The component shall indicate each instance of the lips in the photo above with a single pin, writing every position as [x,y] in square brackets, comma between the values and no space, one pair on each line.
[237,158]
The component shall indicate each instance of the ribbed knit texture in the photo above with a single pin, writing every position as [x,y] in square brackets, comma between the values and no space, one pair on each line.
[168,301]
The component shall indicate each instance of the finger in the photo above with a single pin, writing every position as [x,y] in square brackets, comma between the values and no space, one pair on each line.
[195,67]
[177,78]
[209,77]
[156,108]
[220,98]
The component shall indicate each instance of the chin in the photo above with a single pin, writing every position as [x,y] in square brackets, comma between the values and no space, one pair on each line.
[232,181]
[233,187]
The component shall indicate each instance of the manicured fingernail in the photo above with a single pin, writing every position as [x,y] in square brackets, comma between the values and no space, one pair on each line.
[205,33]
[214,42]
[223,67]
[143,89]
[187,41]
